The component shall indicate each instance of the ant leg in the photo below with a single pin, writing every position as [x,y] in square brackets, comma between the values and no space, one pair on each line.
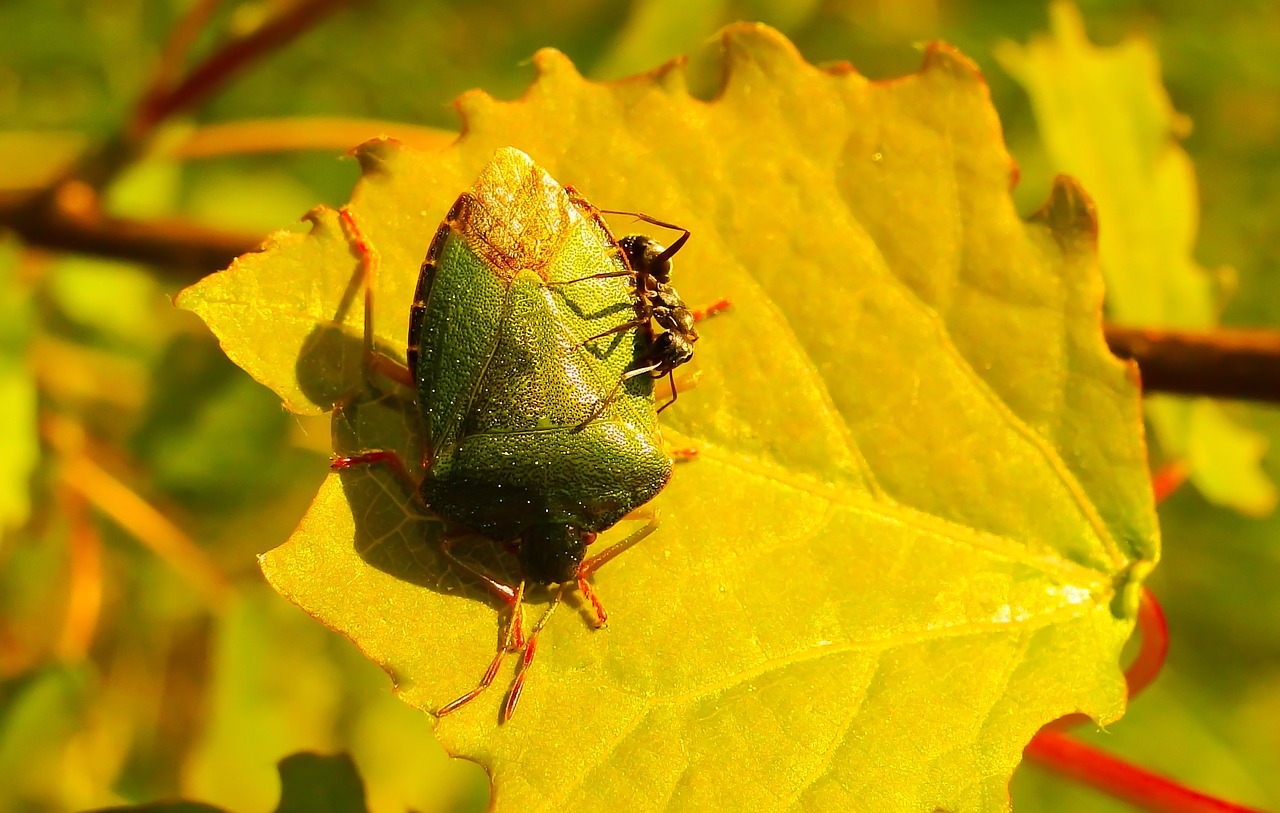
[613,393]
[492,671]
[594,563]
[606,275]
[374,361]
[682,381]
[619,329]
[671,381]
[529,649]
[671,249]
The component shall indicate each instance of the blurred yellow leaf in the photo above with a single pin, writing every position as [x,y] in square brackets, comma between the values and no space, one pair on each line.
[17,393]
[1105,118]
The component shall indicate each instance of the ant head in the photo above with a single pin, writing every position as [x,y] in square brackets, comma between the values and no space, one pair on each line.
[644,254]
[670,350]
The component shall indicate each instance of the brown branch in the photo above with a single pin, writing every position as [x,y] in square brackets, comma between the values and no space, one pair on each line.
[174,54]
[100,166]
[1225,363]
[1241,364]
[229,60]
[186,251]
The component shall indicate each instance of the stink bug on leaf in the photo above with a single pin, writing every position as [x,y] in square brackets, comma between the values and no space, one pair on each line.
[534,341]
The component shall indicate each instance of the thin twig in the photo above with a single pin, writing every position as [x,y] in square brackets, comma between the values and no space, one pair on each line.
[230,59]
[187,251]
[1225,363]
[179,44]
[295,134]
[97,168]
[1151,655]
[1168,479]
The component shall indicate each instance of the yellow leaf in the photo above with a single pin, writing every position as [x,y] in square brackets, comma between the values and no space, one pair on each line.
[920,512]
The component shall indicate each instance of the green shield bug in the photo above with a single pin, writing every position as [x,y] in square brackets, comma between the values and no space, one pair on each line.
[534,341]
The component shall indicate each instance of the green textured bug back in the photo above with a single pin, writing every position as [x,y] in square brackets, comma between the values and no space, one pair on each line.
[510,390]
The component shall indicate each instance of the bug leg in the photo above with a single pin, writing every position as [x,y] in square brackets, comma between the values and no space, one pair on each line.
[387,457]
[508,645]
[509,708]
[619,329]
[489,675]
[374,360]
[514,638]
[594,563]
[602,618]
[530,647]
[514,597]
[719,306]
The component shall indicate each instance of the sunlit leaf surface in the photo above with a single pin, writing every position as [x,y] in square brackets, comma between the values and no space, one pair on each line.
[919,515]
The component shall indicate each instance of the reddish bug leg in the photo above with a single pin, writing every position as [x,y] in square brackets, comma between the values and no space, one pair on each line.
[392,461]
[508,644]
[489,675]
[370,261]
[509,708]
[529,649]
[594,563]
[602,618]
[718,306]
[513,596]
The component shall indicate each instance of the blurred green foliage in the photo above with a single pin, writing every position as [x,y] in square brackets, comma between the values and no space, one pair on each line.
[157,691]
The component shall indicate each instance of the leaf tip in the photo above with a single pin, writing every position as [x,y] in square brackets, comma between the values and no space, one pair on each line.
[757,44]
[1069,213]
[671,76]
[473,105]
[553,65]
[374,155]
[946,58]
[187,298]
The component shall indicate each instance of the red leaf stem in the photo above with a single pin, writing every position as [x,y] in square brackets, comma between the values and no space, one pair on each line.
[1122,780]
[1154,646]
[1168,478]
